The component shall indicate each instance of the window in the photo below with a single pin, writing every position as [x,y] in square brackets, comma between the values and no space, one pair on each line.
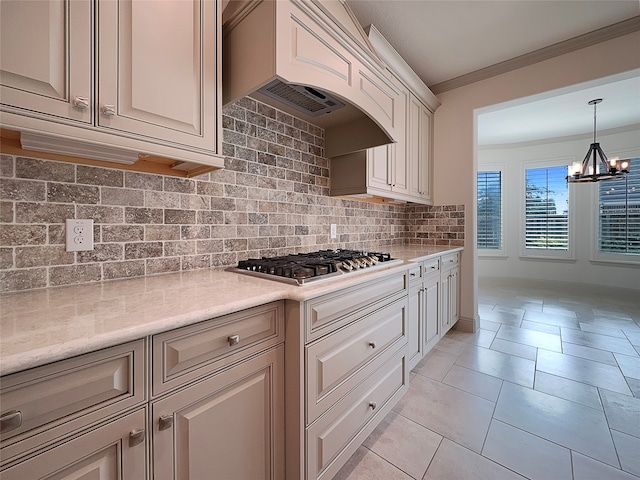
[490,210]
[619,213]
[546,209]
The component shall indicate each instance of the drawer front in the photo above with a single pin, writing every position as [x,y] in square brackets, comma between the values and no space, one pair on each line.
[415,273]
[187,353]
[109,451]
[338,362]
[66,395]
[332,435]
[430,267]
[450,261]
[329,312]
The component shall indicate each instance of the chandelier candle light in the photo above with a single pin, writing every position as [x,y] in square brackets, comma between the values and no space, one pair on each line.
[595,166]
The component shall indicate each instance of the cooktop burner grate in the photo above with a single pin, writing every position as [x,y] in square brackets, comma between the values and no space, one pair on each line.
[302,268]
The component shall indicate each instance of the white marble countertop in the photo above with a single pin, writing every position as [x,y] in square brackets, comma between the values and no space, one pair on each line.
[42,326]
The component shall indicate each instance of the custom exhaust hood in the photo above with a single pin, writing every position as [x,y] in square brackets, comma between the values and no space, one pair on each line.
[312,59]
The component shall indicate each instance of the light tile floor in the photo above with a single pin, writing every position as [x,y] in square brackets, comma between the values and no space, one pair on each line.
[548,388]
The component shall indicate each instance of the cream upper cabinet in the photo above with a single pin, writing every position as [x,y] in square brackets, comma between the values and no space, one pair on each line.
[425,156]
[157,70]
[46,61]
[130,82]
[401,170]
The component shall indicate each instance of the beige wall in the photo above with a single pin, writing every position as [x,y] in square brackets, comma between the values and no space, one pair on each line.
[454,127]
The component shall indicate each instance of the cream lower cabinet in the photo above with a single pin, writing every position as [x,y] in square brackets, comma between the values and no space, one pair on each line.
[450,281]
[415,309]
[113,451]
[83,417]
[424,310]
[346,367]
[219,407]
[230,426]
[216,408]
[434,297]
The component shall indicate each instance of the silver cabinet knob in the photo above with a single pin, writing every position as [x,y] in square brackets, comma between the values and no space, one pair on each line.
[81,102]
[165,422]
[108,110]
[136,436]
[372,344]
[373,405]
[10,421]
[233,340]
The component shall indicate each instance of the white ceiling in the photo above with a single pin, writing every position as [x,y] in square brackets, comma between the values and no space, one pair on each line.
[444,39]
[563,113]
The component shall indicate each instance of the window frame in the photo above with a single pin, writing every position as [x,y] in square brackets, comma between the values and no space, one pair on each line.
[605,257]
[494,252]
[526,253]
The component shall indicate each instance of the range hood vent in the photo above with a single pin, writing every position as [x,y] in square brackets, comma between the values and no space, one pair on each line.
[311,59]
[306,99]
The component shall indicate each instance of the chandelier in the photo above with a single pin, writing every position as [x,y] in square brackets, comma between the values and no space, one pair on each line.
[595,166]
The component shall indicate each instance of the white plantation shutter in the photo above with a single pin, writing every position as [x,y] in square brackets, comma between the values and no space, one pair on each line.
[619,213]
[547,209]
[490,210]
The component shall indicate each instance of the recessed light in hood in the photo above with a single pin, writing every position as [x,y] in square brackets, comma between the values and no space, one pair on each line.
[312,59]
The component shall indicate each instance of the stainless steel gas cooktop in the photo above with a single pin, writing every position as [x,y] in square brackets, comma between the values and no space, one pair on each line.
[303,268]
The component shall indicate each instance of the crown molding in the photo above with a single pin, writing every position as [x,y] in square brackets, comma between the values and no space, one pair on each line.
[610,32]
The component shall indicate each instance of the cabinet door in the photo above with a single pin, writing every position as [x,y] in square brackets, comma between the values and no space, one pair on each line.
[431,313]
[379,167]
[413,145]
[454,289]
[231,424]
[445,286]
[414,321]
[450,289]
[400,175]
[114,451]
[425,160]
[46,58]
[158,68]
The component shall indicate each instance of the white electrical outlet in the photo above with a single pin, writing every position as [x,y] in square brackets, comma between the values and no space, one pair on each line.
[334,230]
[79,235]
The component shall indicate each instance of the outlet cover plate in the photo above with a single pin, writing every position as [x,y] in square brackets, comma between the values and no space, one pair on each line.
[79,235]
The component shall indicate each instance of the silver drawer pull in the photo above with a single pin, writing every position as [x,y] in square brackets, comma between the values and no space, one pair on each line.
[166,421]
[81,102]
[233,340]
[373,405]
[108,110]
[372,344]
[413,274]
[136,436]
[10,421]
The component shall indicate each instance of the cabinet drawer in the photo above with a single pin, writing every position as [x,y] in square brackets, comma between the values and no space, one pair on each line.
[336,434]
[338,362]
[329,312]
[415,273]
[430,267]
[53,400]
[187,353]
[450,261]
[109,451]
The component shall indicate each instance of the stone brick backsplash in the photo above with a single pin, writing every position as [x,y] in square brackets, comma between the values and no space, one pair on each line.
[272,198]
